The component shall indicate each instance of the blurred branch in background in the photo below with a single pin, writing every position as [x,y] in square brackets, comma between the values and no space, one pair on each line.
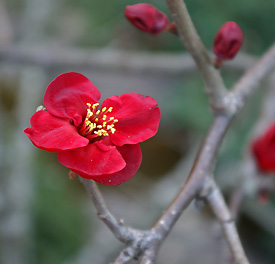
[112,59]
[251,183]
[17,181]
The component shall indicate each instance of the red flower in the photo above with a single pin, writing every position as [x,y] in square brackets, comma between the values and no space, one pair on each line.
[228,41]
[99,144]
[263,149]
[147,18]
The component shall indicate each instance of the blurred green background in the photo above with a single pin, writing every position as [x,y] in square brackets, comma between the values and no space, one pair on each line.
[59,223]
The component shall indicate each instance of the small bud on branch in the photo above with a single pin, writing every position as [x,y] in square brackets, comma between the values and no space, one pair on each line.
[227,42]
[147,18]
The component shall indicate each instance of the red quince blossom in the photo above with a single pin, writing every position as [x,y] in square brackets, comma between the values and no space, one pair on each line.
[228,41]
[96,143]
[263,149]
[147,18]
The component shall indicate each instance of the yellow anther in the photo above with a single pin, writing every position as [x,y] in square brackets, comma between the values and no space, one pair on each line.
[91,124]
[87,122]
[89,113]
[95,105]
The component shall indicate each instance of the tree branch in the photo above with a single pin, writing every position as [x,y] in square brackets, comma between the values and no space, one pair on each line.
[220,209]
[123,233]
[214,85]
[112,59]
[250,81]
[202,168]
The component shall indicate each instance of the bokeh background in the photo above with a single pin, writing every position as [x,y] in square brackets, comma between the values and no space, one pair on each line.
[46,218]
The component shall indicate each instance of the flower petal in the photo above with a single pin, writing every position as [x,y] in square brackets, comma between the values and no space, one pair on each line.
[67,95]
[263,149]
[96,159]
[133,157]
[138,118]
[53,134]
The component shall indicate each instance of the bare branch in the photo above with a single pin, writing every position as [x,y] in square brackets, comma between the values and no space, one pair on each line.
[249,172]
[250,81]
[123,233]
[149,256]
[221,211]
[113,59]
[125,255]
[215,87]
[202,168]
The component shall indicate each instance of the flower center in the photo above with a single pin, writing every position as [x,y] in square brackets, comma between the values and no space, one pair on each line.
[97,122]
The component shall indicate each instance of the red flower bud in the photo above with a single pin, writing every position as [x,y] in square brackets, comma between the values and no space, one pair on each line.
[147,18]
[228,41]
[263,149]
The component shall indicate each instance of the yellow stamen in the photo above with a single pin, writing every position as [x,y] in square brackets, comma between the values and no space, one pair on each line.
[94,116]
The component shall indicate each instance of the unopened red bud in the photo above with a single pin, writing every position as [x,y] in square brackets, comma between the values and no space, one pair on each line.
[147,18]
[228,41]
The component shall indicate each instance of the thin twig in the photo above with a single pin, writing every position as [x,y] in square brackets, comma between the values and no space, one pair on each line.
[250,81]
[249,171]
[214,85]
[122,232]
[221,211]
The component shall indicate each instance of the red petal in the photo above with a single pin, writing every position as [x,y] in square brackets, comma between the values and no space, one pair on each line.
[67,95]
[53,134]
[263,149]
[93,160]
[132,156]
[138,118]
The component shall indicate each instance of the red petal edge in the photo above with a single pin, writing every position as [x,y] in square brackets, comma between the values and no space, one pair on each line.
[133,157]
[53,134]
[67,96]
[94,160]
